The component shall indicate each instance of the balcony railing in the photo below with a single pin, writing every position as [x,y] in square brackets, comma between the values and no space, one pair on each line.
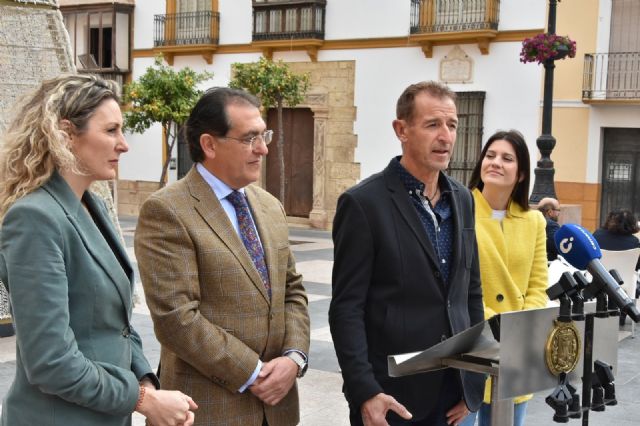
[611,76]
[190,28]
[285,21]
[437,16]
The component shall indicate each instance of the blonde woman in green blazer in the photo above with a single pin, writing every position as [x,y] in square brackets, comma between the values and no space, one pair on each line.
[78,359]
[511,240]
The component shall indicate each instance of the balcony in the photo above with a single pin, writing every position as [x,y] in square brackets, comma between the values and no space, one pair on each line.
[445,22]
[611,78]
[186,34]
[288,24]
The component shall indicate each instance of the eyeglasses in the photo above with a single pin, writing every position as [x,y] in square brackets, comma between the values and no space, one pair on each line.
[266,137]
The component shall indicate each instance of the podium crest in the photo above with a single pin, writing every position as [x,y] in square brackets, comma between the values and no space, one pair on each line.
[562,350]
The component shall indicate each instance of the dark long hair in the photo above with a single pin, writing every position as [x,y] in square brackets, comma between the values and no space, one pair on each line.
[520,192]
[621,221]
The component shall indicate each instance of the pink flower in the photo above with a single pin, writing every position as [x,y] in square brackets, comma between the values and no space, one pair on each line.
[544,46]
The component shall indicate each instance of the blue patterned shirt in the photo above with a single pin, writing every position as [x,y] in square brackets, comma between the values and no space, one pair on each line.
[440,230]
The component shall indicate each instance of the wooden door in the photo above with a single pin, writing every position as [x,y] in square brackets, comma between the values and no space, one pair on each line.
[298,160]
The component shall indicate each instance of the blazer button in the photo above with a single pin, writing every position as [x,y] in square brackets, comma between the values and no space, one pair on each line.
[436,274]
[443,337]
[126,332]
[499,298]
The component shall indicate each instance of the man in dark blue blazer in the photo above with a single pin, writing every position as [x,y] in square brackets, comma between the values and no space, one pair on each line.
[406,272]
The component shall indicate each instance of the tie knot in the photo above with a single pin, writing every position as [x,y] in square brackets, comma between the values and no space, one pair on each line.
[237,199]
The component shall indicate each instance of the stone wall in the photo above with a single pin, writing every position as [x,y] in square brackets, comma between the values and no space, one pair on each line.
[131,195]
[33,47]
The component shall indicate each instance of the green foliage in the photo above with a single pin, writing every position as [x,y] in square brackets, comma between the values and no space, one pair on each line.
[272,82]
[161,95]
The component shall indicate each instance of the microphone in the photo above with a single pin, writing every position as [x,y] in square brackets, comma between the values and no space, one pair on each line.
[582,251]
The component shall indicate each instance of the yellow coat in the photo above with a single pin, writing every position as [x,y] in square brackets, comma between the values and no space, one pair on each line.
[513,261]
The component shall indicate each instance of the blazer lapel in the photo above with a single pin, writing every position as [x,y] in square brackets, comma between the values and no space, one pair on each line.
[91,236]
[457,248]
[107,227]
[209,207]
[399,197]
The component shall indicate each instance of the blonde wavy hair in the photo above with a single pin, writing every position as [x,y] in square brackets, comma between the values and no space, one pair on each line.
[35,145]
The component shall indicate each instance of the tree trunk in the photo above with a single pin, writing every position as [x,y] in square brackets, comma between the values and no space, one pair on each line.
[169,141]
[280,143]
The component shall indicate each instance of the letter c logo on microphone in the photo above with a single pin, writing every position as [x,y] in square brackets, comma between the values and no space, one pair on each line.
[566,244]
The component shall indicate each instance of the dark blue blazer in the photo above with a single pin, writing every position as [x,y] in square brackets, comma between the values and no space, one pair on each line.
[389,296]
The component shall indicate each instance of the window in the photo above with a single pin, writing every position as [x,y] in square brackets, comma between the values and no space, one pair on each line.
[100,46]
[468,144]
[276,20]
[100,38]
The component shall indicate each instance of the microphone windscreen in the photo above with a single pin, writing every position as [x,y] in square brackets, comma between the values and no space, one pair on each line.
[576,245]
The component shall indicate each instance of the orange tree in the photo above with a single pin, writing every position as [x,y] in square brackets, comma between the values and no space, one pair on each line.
[276,86]
[162,95]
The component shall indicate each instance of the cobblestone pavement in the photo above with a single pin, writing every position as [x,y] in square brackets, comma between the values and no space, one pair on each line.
[322,403]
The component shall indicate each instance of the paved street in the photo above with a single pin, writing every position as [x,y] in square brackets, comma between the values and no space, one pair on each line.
[322,403]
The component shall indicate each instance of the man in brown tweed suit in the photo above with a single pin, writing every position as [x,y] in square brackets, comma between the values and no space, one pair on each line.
[233,339]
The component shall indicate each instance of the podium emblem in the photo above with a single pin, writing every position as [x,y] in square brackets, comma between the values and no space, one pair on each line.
[562,349]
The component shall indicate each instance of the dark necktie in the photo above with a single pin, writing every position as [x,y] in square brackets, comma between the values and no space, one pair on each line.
[249,236]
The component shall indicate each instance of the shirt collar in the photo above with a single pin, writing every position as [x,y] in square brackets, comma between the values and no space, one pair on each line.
[220,188]
[411,183]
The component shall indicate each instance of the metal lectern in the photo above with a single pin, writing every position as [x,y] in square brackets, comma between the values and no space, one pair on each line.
[511,349]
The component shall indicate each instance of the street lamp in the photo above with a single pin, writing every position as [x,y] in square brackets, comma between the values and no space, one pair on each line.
[543,181]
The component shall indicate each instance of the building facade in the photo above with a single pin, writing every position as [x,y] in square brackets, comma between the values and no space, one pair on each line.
[360,56]
[596,117]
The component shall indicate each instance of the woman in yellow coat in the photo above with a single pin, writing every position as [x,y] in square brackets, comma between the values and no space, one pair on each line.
[511,240]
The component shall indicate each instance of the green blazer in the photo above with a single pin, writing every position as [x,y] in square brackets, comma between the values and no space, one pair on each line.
[78,360]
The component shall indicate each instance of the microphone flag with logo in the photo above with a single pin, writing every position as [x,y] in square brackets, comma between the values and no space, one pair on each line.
[581,250]
[577,245]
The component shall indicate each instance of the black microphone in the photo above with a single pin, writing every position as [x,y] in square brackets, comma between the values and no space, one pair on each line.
[582,251]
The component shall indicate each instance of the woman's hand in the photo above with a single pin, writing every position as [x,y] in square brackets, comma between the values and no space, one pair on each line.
[167,408]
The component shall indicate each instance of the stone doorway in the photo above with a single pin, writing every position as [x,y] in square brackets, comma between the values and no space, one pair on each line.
[331,101]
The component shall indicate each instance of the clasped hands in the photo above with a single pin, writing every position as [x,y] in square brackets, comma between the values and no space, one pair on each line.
[275,380]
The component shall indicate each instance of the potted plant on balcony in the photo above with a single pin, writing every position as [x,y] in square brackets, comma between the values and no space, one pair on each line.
[544,47]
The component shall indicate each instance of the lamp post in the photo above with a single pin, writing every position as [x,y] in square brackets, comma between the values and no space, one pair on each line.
[543,181]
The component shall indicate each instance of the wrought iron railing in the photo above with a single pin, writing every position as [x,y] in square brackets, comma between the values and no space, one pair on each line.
[431,16]
[284,21]
[611,76]
[190,28]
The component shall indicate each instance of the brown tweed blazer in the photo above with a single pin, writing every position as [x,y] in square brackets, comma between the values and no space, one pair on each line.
[210,310]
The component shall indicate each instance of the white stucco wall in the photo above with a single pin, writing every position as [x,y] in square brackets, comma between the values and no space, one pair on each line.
[366,19]
[522,14]
[143,22]
[604,26]
[512,89]
[236,22]
[512,100]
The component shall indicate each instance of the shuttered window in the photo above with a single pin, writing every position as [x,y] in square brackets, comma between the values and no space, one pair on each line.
[468,144]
